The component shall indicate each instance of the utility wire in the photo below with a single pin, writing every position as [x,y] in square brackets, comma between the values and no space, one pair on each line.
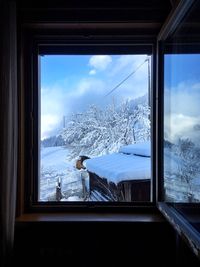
[126,78]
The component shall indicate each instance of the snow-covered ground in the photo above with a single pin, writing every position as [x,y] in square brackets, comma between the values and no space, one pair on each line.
[94,132]
[56,167]
[176,189]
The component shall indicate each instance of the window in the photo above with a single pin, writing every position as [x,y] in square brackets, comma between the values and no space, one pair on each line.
[94,126]
[181,142]
[182,113]
[46,186]
[89,136]
[181,127]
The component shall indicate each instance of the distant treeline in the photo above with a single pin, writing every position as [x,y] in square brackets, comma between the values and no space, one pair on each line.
[55,140]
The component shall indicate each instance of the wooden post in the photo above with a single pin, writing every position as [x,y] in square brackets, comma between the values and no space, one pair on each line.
[58,190]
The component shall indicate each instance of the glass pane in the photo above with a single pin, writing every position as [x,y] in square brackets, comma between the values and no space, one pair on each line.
[182,127]
[95,128]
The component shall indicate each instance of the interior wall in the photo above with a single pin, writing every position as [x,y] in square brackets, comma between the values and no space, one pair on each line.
[95,244]
[99,244]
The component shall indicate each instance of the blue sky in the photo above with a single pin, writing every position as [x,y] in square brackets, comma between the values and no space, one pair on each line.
[180,68]
[182,97]
[57,68]
[71,83]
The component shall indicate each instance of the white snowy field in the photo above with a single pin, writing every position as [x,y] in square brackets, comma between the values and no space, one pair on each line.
[54,167]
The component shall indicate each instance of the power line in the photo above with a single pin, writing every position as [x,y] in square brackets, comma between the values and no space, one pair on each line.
[126,78]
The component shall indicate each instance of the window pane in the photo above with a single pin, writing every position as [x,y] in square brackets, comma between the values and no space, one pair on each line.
[182,127]
[95,128]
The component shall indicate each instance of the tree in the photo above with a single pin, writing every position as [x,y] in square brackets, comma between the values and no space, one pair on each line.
[189,165]
[55,140]
[101,131]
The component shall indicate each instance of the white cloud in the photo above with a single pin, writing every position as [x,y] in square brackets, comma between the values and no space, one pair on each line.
[88,91]
[137,84]
[180,126]
[63,98]
[93,90]
[196,86]
[100,62]
[88,85]
[92,72]
[48,124]
[129,63]
[52,109]
[184,99]
[182,114]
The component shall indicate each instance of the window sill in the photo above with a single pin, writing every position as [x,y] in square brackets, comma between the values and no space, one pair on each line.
[183,227]
[91,217]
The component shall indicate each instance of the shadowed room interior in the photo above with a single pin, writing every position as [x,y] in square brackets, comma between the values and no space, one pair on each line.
[88,234]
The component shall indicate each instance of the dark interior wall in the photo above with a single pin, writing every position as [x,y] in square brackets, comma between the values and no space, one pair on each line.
[94,244]
[100,244]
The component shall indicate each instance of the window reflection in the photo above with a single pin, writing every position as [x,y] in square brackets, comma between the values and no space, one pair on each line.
[182,127]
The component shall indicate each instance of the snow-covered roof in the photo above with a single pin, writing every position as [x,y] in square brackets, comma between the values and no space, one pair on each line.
[120,167]
[141,149]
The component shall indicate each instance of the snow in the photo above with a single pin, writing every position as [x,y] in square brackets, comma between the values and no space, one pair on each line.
[55,157]
[116,167]
[97,196]
[72,198]
[171,162]
[140,149]
[55,166]
[176,189]
[97,132]
[120,167]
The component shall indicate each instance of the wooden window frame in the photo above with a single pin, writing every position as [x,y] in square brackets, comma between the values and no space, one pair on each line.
[33,44]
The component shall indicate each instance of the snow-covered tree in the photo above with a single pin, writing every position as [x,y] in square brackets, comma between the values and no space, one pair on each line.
[100,131]
[189,166]
[55,140]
